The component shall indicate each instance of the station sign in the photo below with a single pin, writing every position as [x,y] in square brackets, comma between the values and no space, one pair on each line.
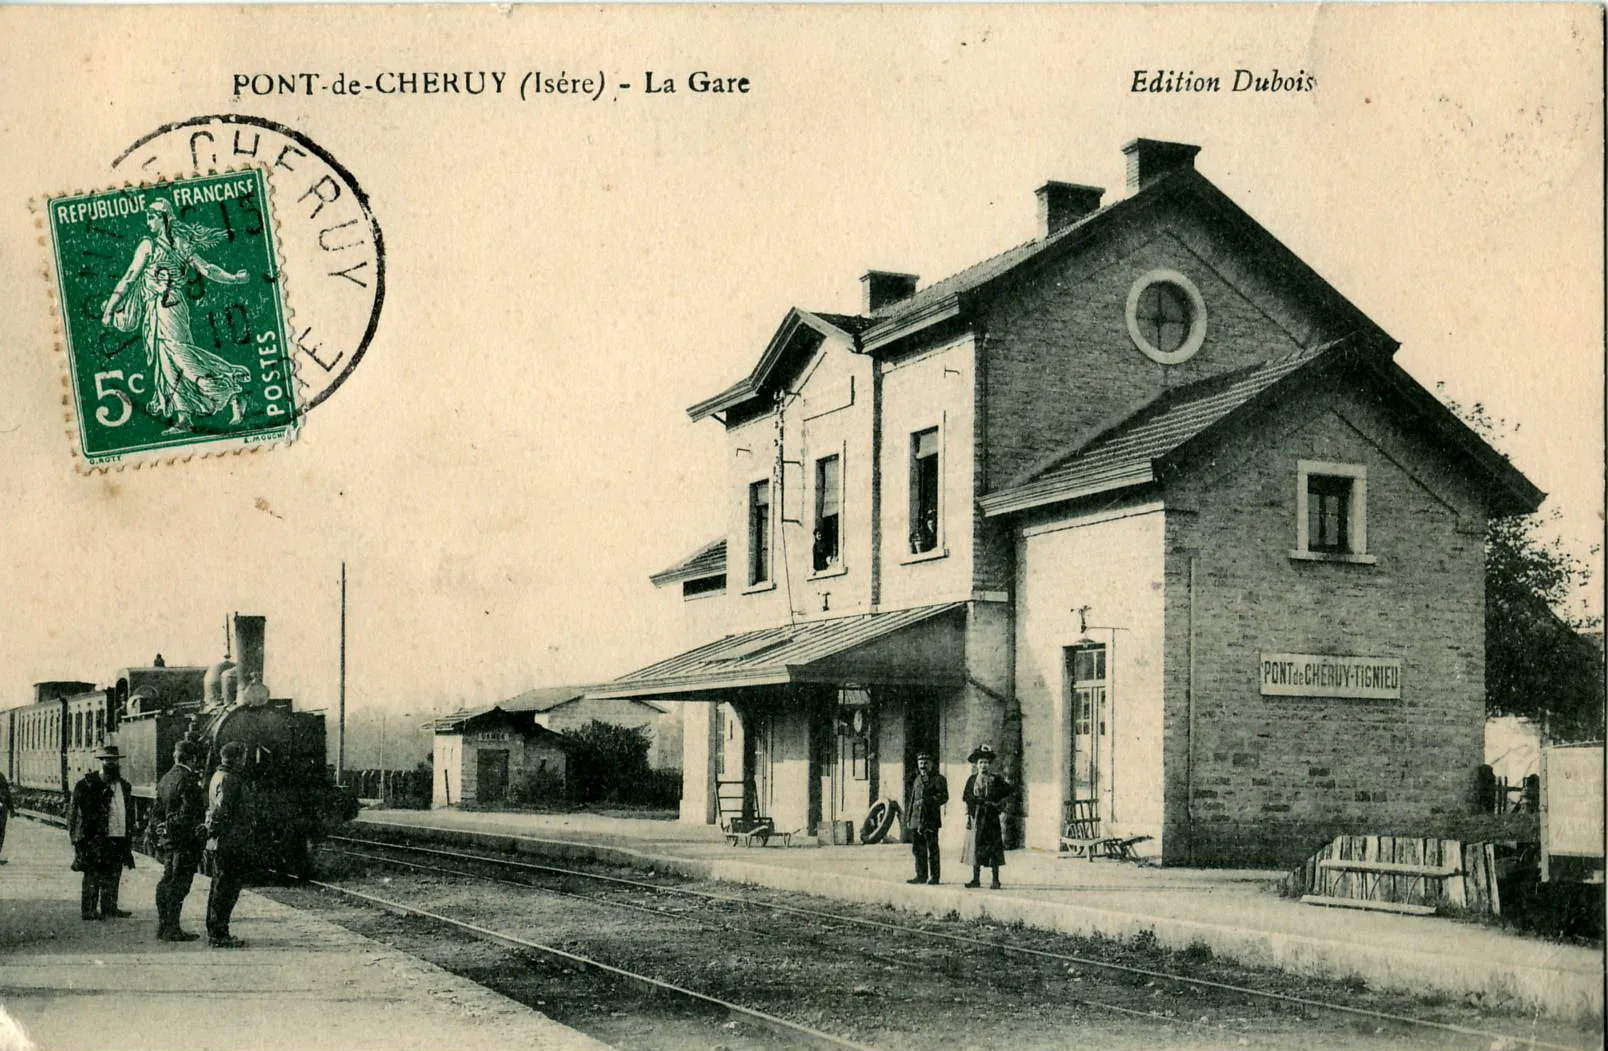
[1330,675]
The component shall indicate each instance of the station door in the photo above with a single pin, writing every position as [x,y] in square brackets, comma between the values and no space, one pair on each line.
[491,775]
[1089,718]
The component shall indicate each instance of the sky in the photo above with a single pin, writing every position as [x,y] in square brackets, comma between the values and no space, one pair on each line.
[512,459]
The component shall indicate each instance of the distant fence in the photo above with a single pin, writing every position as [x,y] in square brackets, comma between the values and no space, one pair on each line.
[405,789]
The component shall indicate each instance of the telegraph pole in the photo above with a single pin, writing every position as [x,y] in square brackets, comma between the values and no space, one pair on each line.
[340,732]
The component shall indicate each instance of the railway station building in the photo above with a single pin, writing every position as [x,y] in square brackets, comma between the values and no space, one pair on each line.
[1143,502]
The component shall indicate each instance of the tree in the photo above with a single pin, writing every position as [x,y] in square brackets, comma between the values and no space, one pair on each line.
[1537,663]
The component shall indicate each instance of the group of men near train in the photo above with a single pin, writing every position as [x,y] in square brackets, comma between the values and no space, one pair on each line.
[192,827]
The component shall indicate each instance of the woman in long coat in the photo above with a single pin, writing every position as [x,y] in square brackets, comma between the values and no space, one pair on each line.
[985,794]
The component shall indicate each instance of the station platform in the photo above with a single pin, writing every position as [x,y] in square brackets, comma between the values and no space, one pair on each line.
[299,982]
[1237,913]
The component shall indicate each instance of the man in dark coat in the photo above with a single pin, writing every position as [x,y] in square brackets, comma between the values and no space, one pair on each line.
[178,831]
[5,811]
[229,843]
[924,815]
[985,794]
[100,816]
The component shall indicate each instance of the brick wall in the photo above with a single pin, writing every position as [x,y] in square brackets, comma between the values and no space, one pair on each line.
[1058,360]
[1273,777]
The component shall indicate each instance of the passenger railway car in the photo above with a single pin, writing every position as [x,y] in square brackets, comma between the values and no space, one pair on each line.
[46,746]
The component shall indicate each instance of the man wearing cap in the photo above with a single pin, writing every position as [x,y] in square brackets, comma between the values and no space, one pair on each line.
[99,817]
[924,815]
[228,841]
[985,795]
[178,828]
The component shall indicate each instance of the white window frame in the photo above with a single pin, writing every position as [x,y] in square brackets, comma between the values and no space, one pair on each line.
[1357,513]
[940,547]
[841,566]
[769,583]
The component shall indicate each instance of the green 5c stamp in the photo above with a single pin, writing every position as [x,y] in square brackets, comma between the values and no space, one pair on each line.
[173,313]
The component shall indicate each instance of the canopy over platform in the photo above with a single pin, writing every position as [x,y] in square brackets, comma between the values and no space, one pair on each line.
[922,645]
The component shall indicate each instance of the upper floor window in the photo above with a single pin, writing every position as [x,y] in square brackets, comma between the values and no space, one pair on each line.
[1331,512]
[924,491]
[759,536]
[826,550]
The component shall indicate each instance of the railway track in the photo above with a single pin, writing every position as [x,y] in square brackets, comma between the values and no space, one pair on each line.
[496,869]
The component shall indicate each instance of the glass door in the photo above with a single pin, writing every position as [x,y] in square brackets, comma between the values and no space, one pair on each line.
[1086,674]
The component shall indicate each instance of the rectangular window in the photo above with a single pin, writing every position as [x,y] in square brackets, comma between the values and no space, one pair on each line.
[1331,512]
[828,508]
[703,586]
[759,541]
[100,727]
[923,491]
[1328,513]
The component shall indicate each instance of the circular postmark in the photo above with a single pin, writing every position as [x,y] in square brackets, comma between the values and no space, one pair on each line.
[329,240]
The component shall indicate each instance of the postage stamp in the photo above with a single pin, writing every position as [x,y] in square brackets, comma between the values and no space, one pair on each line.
[173,318]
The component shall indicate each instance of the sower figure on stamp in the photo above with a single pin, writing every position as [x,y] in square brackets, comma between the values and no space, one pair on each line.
[178,828]
[187,380]
[228,844]
[99,817]
[923,815]
[985,793]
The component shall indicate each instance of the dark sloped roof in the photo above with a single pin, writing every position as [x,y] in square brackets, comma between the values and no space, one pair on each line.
[1129,452]
[541,699]
[1126,453]
[707,561]
[853,324]
[768,655]
[943,299]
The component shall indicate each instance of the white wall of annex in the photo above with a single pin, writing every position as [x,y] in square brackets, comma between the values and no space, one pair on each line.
[1112,564]
[448,767]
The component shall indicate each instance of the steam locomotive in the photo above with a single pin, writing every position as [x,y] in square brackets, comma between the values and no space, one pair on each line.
[46,746]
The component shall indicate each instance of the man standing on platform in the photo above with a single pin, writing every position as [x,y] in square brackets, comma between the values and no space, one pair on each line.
[5,811]
[99,816]
[228,843]
[924,802]
[178,827]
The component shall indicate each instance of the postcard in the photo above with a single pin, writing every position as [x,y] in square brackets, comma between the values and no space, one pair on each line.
[1100,410]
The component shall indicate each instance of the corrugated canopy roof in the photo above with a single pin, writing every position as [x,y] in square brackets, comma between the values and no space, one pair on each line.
[910,645]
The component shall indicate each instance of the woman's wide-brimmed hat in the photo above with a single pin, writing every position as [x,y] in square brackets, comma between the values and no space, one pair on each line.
[982,751]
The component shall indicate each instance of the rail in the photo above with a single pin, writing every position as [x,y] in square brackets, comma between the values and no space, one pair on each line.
[1494,1038]
[769,1021]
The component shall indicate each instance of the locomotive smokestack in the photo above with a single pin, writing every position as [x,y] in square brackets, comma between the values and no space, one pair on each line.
[249,638]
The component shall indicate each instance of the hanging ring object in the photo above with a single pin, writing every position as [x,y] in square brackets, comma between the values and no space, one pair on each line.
[878,821]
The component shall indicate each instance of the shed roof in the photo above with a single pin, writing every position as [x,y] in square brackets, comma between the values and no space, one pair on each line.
[708,561]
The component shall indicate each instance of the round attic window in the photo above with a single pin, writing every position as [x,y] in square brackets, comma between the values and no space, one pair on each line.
[1166,317]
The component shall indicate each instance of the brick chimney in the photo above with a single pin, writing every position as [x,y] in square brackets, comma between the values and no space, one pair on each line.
[1060,204]
[883,287]
[1150,159]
